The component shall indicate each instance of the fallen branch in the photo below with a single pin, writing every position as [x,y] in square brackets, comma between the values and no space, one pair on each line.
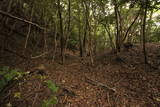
[96,83]
[34,57]
[22,20]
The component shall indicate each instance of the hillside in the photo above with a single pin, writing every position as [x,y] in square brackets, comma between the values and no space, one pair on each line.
[113,81]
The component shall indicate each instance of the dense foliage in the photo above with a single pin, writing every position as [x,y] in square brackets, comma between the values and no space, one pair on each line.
[87,25]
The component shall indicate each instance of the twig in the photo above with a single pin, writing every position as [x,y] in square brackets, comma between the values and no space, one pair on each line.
[93,82]
[22,20]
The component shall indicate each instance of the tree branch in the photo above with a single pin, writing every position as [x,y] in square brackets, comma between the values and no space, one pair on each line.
[96,83]
[22,20]
[131,26]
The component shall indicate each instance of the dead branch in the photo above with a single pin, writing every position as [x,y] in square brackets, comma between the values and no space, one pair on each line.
[96,83]
[34,57]
[22,20]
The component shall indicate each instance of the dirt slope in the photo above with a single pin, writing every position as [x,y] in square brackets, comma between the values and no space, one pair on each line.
[114,81]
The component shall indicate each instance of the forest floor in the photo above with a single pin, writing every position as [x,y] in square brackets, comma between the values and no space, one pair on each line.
[120,80]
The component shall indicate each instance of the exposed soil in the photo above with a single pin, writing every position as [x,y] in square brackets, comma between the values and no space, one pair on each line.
[120,80]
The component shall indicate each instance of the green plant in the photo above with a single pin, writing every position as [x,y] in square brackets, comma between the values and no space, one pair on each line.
[8,75]
[53,100]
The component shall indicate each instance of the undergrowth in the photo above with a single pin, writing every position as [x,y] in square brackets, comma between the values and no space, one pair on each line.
[8,75]
[53,99]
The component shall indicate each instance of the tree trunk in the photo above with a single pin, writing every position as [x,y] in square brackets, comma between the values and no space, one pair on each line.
[143,35]
[55,41]
[110,37]
[79,35]
[69,24]
[117,27]
[61,32]
[85,29]
[90,42]
[29,31]
[8,10]
[95,39]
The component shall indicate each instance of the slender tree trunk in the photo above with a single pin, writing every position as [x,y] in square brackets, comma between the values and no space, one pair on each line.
[29,31]
[55,41]
[144,36]
[8,10]
[95,39]
[85,28]
[69,16]
[90,47]
[79,34]
[84,37]
[90,41]
[69,24]
[110,37]
[117,27]
[61,32]
[141,30]
[45,39]
[120,26]
[80,42]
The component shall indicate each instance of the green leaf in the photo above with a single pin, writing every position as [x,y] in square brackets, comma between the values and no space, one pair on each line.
[7,75]
[11,75]
[51,86]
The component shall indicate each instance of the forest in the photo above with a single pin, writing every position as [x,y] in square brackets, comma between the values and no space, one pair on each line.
[79,53]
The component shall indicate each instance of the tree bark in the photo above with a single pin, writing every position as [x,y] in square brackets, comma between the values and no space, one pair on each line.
[85,28]
[61,32]
[143,34]
[55,42]
[79,34]
[68,25]
[8,10]
[117,27]
[29,31]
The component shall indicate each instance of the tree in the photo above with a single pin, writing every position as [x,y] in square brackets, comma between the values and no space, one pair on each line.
[61,31]
[143,30]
